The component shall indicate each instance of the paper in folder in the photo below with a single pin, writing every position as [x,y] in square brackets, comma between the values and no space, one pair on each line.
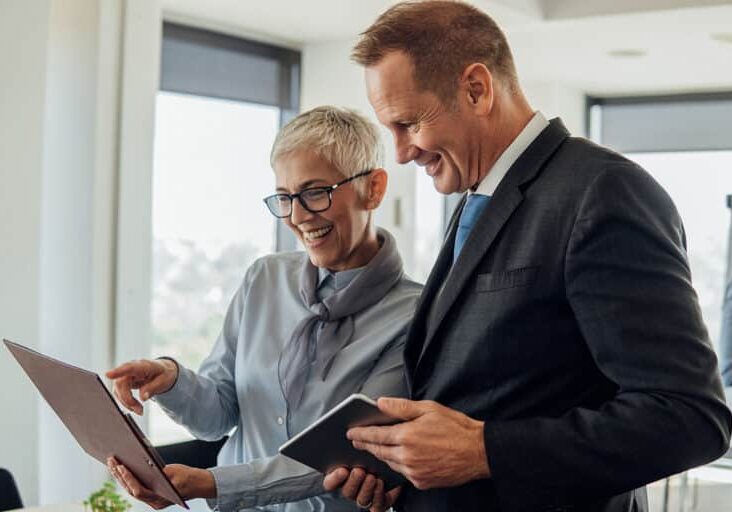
[82,401]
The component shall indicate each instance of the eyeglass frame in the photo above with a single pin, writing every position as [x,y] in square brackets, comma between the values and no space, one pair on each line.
[328,190]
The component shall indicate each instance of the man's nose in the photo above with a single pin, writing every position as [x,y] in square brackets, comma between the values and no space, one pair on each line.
[405,150]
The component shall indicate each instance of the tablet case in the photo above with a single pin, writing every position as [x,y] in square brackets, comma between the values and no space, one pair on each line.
[82,401]
[324,446]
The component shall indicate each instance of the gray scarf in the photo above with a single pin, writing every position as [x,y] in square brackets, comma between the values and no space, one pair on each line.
[336,312]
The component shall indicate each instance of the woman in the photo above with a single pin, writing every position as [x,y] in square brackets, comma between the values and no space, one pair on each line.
[304,331]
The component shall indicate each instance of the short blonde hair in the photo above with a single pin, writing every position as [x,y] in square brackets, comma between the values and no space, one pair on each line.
[343,137]
[442,37]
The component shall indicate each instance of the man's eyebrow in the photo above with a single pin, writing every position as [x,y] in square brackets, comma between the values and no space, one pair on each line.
[303,186]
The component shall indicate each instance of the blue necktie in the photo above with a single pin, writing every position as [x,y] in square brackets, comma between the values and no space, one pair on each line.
[474,206]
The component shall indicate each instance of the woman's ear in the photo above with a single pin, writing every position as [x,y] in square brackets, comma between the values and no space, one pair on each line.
[376,190]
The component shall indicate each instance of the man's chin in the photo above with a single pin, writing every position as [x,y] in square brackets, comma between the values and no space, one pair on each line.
[443,186]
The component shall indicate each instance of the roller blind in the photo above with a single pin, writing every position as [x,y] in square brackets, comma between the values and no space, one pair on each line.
[689,123]
[200,62]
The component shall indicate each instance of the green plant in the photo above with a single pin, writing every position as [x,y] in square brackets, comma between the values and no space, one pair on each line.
[106,499]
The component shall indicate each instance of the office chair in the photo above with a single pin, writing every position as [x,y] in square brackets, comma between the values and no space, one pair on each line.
[197,454]
[9,495]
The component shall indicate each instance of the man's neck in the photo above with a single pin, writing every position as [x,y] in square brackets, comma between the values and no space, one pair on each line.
[508,119]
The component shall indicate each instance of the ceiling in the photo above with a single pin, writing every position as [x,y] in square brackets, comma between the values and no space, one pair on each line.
[685,45]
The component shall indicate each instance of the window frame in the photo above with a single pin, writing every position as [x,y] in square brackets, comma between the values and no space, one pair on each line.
[140,80]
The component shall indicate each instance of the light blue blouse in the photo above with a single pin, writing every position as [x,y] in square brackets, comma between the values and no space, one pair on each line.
[237,386]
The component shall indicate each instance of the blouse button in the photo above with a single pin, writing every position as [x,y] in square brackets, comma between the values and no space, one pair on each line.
[280,421]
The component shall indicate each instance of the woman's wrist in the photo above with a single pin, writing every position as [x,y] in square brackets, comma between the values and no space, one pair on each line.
[171,369]
[206,484]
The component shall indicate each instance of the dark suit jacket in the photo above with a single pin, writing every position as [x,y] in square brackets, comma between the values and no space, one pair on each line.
[570,326]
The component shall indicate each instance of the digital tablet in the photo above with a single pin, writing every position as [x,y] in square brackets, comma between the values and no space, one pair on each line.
[85,406]
[324,445]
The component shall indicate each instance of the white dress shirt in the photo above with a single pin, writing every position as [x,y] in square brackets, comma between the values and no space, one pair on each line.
[530,132]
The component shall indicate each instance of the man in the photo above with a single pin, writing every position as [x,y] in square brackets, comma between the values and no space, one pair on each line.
[557,359]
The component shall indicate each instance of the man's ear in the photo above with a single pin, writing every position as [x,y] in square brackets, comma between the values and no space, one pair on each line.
[376,189]
[476,82]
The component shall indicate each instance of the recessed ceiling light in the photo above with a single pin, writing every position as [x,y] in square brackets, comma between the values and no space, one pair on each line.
[627,53]
[723,37]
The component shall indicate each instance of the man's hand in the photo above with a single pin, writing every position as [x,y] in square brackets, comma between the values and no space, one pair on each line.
[149,377]
[189,482]
[434,447]
[363,488]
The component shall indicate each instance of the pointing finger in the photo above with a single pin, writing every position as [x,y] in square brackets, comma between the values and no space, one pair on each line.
[123,391]
[130,369]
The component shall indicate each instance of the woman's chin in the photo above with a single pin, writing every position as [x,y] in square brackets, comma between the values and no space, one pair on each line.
[319,258]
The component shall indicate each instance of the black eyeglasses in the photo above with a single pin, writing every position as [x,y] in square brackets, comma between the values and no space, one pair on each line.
[314,200]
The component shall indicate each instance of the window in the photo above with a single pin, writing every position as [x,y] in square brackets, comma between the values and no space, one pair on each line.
[699,182]
[429,227]
[685,143]
[221,103]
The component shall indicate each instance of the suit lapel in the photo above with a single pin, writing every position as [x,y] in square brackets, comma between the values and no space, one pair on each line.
[506,199]
[413,346]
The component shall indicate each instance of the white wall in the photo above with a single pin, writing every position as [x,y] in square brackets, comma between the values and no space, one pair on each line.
[558,100]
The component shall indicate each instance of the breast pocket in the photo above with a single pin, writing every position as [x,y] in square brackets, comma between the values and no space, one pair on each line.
[504,279]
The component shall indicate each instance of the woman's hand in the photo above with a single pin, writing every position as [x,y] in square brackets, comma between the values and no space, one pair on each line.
[149,377]
[189,482]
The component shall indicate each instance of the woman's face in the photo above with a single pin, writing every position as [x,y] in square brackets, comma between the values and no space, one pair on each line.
[340,237]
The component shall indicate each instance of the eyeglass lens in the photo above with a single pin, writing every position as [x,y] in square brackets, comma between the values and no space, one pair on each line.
[314,200]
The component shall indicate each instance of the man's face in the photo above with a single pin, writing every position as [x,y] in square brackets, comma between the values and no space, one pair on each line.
[441,138]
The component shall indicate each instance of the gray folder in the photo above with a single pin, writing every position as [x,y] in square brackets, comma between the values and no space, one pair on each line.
[82,401]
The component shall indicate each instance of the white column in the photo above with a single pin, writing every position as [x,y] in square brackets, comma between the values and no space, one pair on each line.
[77,219]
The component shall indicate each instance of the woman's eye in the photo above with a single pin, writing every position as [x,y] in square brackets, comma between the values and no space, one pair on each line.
[314,194]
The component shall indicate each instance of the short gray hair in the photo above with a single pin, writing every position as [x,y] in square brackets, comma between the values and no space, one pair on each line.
[343,137]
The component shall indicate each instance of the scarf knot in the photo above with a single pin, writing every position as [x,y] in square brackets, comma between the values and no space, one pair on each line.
[302,353]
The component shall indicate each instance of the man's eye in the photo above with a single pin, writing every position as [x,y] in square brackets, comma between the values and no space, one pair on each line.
[409,126]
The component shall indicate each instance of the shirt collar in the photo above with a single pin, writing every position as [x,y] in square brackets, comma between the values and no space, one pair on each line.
[530,132]
[339,279]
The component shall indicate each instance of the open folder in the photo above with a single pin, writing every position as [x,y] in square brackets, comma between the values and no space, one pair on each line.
[82,401]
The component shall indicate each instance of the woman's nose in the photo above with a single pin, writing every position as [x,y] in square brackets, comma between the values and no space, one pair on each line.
[299,213]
